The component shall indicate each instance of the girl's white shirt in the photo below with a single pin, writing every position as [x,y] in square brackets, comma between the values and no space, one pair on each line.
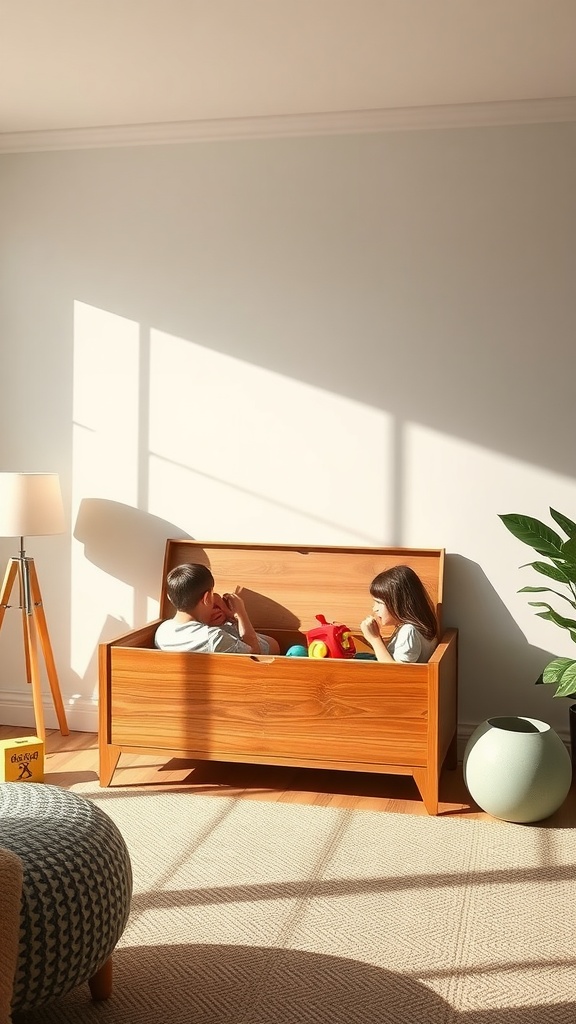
[408,644]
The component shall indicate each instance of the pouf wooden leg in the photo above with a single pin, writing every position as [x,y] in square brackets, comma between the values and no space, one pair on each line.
[101,982]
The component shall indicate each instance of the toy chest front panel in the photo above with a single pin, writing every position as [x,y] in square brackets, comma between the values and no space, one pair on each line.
[238,705]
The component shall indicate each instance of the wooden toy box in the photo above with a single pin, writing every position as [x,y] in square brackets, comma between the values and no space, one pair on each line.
[327,713]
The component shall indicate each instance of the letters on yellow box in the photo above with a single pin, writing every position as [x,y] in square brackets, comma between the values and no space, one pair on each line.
[22,759]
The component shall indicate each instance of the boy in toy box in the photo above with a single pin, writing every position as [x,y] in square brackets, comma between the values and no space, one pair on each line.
[205,622]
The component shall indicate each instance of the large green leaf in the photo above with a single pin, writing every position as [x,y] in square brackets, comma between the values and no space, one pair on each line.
[562,671]
[555,669]
[550,619]
[534,533]
[548,590]
[553,616]
[564,523]
[552,571]
[545,615]
[569,551]
[567,567]
[562,555]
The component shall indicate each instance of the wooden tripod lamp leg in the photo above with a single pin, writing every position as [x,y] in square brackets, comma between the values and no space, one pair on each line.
[24,615]
[9,577]
[14,569]
[40,617]
[34,624]
[32,661]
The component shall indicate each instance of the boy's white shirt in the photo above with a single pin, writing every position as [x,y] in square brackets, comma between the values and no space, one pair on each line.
[203,639]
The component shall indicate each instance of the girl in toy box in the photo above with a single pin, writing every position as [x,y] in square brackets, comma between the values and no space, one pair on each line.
[206,623]
[401,601]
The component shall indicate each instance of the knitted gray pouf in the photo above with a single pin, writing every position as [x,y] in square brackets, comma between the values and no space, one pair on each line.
[76,891]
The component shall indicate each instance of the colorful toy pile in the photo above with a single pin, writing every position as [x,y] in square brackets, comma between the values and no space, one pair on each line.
[328,640]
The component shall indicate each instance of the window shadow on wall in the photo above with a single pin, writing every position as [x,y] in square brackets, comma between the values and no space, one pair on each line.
[125,542]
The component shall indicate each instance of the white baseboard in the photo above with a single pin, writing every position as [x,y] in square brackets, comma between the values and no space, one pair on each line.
[16,709]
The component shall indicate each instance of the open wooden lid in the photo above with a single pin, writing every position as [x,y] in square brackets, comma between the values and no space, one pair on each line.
[286,586]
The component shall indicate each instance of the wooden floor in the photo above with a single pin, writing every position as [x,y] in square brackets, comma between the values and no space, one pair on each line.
[74,758]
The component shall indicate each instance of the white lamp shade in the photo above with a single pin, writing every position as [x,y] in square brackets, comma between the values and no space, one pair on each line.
[30,504]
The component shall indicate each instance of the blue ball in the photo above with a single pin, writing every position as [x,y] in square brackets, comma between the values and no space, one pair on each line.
[297,651]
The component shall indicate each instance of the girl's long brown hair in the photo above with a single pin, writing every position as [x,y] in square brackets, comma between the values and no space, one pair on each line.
[404,594]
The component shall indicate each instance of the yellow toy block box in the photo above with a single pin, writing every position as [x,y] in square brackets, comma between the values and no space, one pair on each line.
[22,760]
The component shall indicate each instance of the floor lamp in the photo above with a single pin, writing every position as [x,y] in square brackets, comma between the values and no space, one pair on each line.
[31,505]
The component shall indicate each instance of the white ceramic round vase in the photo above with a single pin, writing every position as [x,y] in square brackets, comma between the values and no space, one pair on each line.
[517,769]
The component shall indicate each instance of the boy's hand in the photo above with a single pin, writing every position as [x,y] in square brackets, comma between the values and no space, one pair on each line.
[245,627]
[370,628]
[235,604]
[220,612]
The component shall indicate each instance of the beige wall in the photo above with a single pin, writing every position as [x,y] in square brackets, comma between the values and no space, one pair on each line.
[354,340]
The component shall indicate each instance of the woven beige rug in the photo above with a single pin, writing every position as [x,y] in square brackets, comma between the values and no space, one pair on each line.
[247,912]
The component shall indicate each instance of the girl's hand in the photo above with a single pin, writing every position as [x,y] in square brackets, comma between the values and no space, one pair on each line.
[370,628]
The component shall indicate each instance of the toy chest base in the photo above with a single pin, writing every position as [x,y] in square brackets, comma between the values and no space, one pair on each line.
[354,715]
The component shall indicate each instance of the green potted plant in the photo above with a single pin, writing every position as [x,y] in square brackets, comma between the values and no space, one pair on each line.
[559,569]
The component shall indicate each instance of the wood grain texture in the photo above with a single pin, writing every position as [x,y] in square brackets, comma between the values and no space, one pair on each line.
[324,713]
[286,586]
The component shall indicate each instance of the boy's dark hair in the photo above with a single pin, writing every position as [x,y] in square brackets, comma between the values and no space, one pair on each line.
[186,585]
[404,594]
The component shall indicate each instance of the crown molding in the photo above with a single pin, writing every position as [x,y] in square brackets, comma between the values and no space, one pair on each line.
[392,119]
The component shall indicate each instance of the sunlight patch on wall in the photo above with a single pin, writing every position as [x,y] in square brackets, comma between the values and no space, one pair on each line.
[240,452]
[105,463]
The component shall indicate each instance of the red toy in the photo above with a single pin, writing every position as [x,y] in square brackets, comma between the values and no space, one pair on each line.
[330,640]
